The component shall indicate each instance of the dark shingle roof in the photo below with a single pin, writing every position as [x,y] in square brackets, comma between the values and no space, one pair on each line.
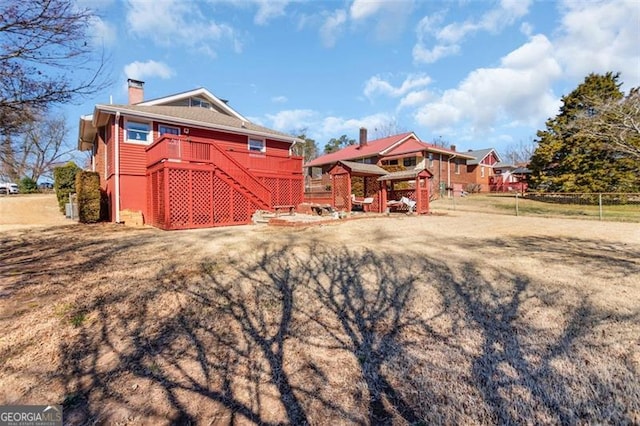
[478,155]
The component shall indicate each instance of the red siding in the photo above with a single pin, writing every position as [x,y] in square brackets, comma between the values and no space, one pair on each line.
[285,183]
[133,159]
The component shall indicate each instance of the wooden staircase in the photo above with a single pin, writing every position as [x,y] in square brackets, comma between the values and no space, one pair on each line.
[237,176]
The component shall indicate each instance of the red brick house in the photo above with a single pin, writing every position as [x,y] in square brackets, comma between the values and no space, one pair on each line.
[404,151]
[479,170]
[188,160]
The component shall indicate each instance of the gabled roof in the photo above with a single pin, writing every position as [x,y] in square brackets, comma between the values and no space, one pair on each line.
[382,147]
[363,168]
[178,115]
[481,154]
[200,92]
[354,152]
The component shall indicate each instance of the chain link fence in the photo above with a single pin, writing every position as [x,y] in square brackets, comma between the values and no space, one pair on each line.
[600,206]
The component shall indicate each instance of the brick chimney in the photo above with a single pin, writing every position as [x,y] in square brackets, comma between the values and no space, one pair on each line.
[363,137]
[136,91]
[453,147]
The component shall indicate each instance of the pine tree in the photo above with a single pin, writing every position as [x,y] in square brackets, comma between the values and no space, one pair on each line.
[568,159]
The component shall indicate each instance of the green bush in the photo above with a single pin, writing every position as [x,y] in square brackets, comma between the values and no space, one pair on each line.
[64,182]
[27,185]
[89,196]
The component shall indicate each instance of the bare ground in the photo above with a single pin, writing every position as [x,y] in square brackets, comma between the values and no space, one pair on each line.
[458,318]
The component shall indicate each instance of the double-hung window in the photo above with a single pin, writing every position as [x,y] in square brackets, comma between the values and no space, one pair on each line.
[257,145]
[138,132]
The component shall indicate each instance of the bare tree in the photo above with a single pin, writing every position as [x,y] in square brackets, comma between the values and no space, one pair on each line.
[616,123]
[443,143]
[45,58]
[519,153]
[37,150]
[388,128]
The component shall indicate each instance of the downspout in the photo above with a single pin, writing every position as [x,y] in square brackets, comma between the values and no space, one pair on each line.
[117,166]
[449,177]
[291,147]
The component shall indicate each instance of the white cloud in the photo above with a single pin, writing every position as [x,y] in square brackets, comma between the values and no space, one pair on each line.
[289,120]
[102,33]
[376,85]
[361,9]
[332,27]
[269,9]
[527,29]
[319,126]
[279,99]
[142,70]
[429,56]
[179,23]
[449,37]
[600,37]
[414,99]
[518,91]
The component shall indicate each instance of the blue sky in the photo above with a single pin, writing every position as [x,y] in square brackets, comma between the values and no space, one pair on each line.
[476,74]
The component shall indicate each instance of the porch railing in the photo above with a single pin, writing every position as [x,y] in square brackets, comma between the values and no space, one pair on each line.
[237,164]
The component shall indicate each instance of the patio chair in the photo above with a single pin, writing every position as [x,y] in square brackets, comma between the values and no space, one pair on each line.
[411,204]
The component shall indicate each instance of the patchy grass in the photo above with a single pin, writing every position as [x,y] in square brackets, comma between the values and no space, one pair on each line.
[458,319]
[506,204]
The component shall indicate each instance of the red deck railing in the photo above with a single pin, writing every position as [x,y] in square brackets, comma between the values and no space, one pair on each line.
[239,165]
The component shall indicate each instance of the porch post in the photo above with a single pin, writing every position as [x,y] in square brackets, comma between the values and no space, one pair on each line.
[418,195]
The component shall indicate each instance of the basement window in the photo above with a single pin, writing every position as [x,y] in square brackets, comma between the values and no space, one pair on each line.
[257,145]
[138,132]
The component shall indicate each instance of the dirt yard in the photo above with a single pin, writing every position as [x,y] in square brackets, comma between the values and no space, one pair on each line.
[456,318]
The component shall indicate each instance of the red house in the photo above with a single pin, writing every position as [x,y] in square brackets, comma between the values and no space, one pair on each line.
[188,160]
[402,152]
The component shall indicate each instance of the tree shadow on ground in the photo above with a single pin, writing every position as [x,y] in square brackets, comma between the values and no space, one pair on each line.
[519,369]
[308,333]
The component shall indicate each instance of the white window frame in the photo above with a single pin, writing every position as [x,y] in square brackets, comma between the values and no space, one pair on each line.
[164,126]
[263,142]
[149,138]
[482,171]
[431,159]
[457,166]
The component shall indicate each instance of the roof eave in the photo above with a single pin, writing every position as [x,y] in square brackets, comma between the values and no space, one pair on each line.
[196,123]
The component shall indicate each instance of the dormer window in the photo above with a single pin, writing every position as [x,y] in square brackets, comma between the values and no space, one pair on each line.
[197,102]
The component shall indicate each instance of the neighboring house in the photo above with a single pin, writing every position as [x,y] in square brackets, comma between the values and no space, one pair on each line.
[188,160]
[404,151]
[480,169]
[509,177]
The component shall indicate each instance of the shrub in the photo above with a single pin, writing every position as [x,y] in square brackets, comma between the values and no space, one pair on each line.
[89,196]
[27,185]
[65,182]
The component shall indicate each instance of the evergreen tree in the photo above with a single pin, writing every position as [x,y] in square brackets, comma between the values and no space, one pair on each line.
[569,160]
[337,144]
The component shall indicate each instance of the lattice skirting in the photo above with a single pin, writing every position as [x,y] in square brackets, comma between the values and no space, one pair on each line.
[188,197]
